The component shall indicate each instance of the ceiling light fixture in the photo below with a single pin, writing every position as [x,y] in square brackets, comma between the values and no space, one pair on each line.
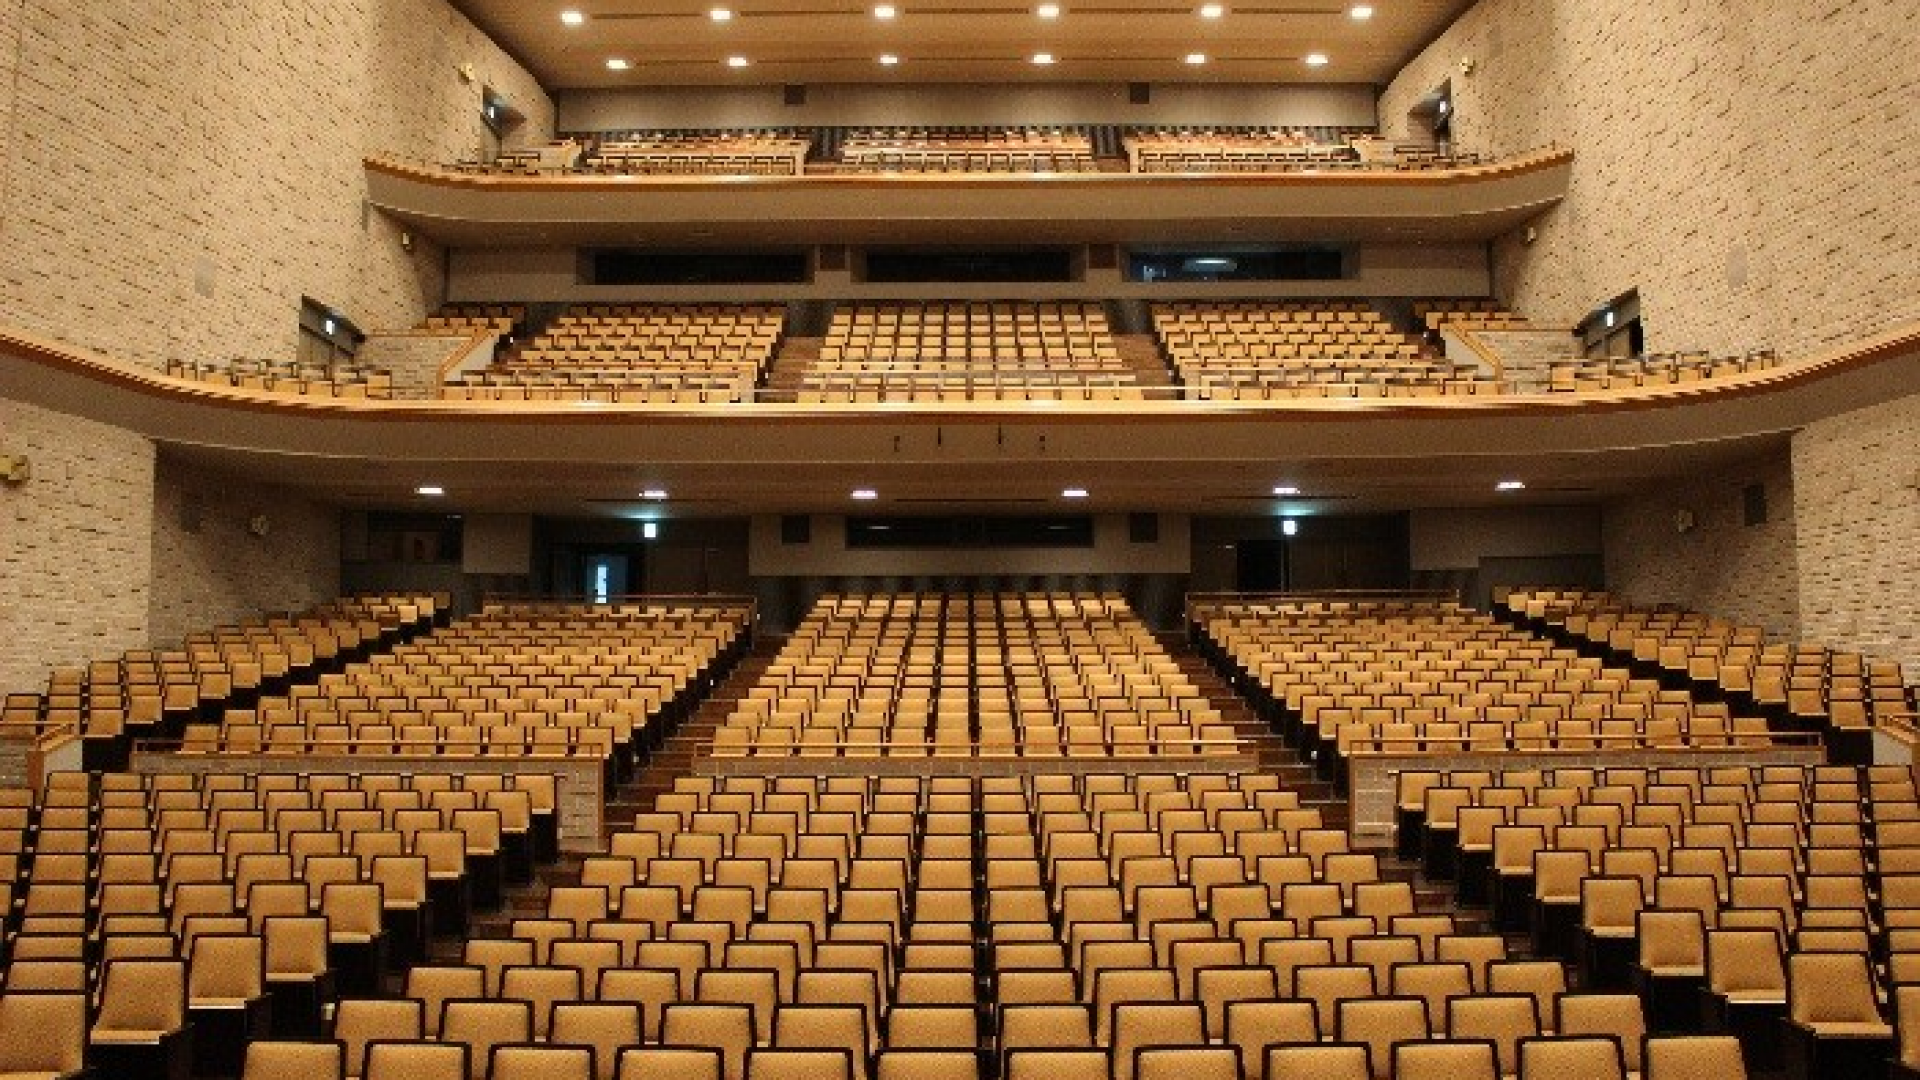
[1074,493]
[1196,58]
[736,61]
[617,64]
[720,14]
[649,530]
[1212,11]
[1289,527]
[888,59]
[1048,11]
[865,494]
[1361,12]
[431,491]
[573,18]
[1315,59]
[1510,485]
[654,493]
[1043,58]
[885,11]
[1285,490]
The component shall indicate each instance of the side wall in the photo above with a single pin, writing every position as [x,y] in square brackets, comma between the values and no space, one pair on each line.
[1745,164]
[211,567]
[1719,565]
[76,546]
[1856,482]
[195,168]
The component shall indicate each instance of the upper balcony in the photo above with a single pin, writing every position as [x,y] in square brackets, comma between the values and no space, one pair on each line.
[1360,200]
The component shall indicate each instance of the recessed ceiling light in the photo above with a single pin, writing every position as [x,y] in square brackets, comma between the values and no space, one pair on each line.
[736,61]
[654,493]
[430,490]
[1316,59]
[1361,11]
[885,11]
[1289,527]
[1286,489]
[1196,58]
[1074,493]
[1043,58]
[865,494]
[1212,11]
[617,64]
[1048,11]
[720,14]
[888,59]
[1510,485]
[572,18]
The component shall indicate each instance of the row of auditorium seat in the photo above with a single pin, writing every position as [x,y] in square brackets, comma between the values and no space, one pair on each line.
[730,153]
[969,149]
[957,351]
[917,931]
[1476,314]
[463,318]
[1709,891]
[594,1050]
[289,377]
[938,150]
[511,680]
[1841,690]
[658,352]
[1294,349]
[935,674]
[1406,676]
[1654,369]
[961,351]
[202,912]
[1067,987]
[147,692]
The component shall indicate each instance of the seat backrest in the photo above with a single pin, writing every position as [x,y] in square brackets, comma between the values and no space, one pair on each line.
[1062,1025]
[143,995]
[927,1065]
[1379,1023]
[1504,1019]
[1186,1063]
[726,1027]
[1322,1061]
[676,1061]
[540,1061]
[1589,1057]
[1745,960]
[42,1032]
[606,1026]
[360,1021]
[1055,1064]
[1830,987]
[410,1060]
[1446,1059]
[267,1059]
[1694,1057]
[793,1064]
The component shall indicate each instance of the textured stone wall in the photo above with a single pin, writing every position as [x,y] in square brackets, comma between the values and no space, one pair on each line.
[1745,164]
[76,552]
[194,169]
[1856,482]
[413,359]
[209,565]
[1719,565]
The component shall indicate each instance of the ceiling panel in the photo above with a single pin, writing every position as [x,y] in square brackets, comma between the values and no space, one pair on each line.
[824,41]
